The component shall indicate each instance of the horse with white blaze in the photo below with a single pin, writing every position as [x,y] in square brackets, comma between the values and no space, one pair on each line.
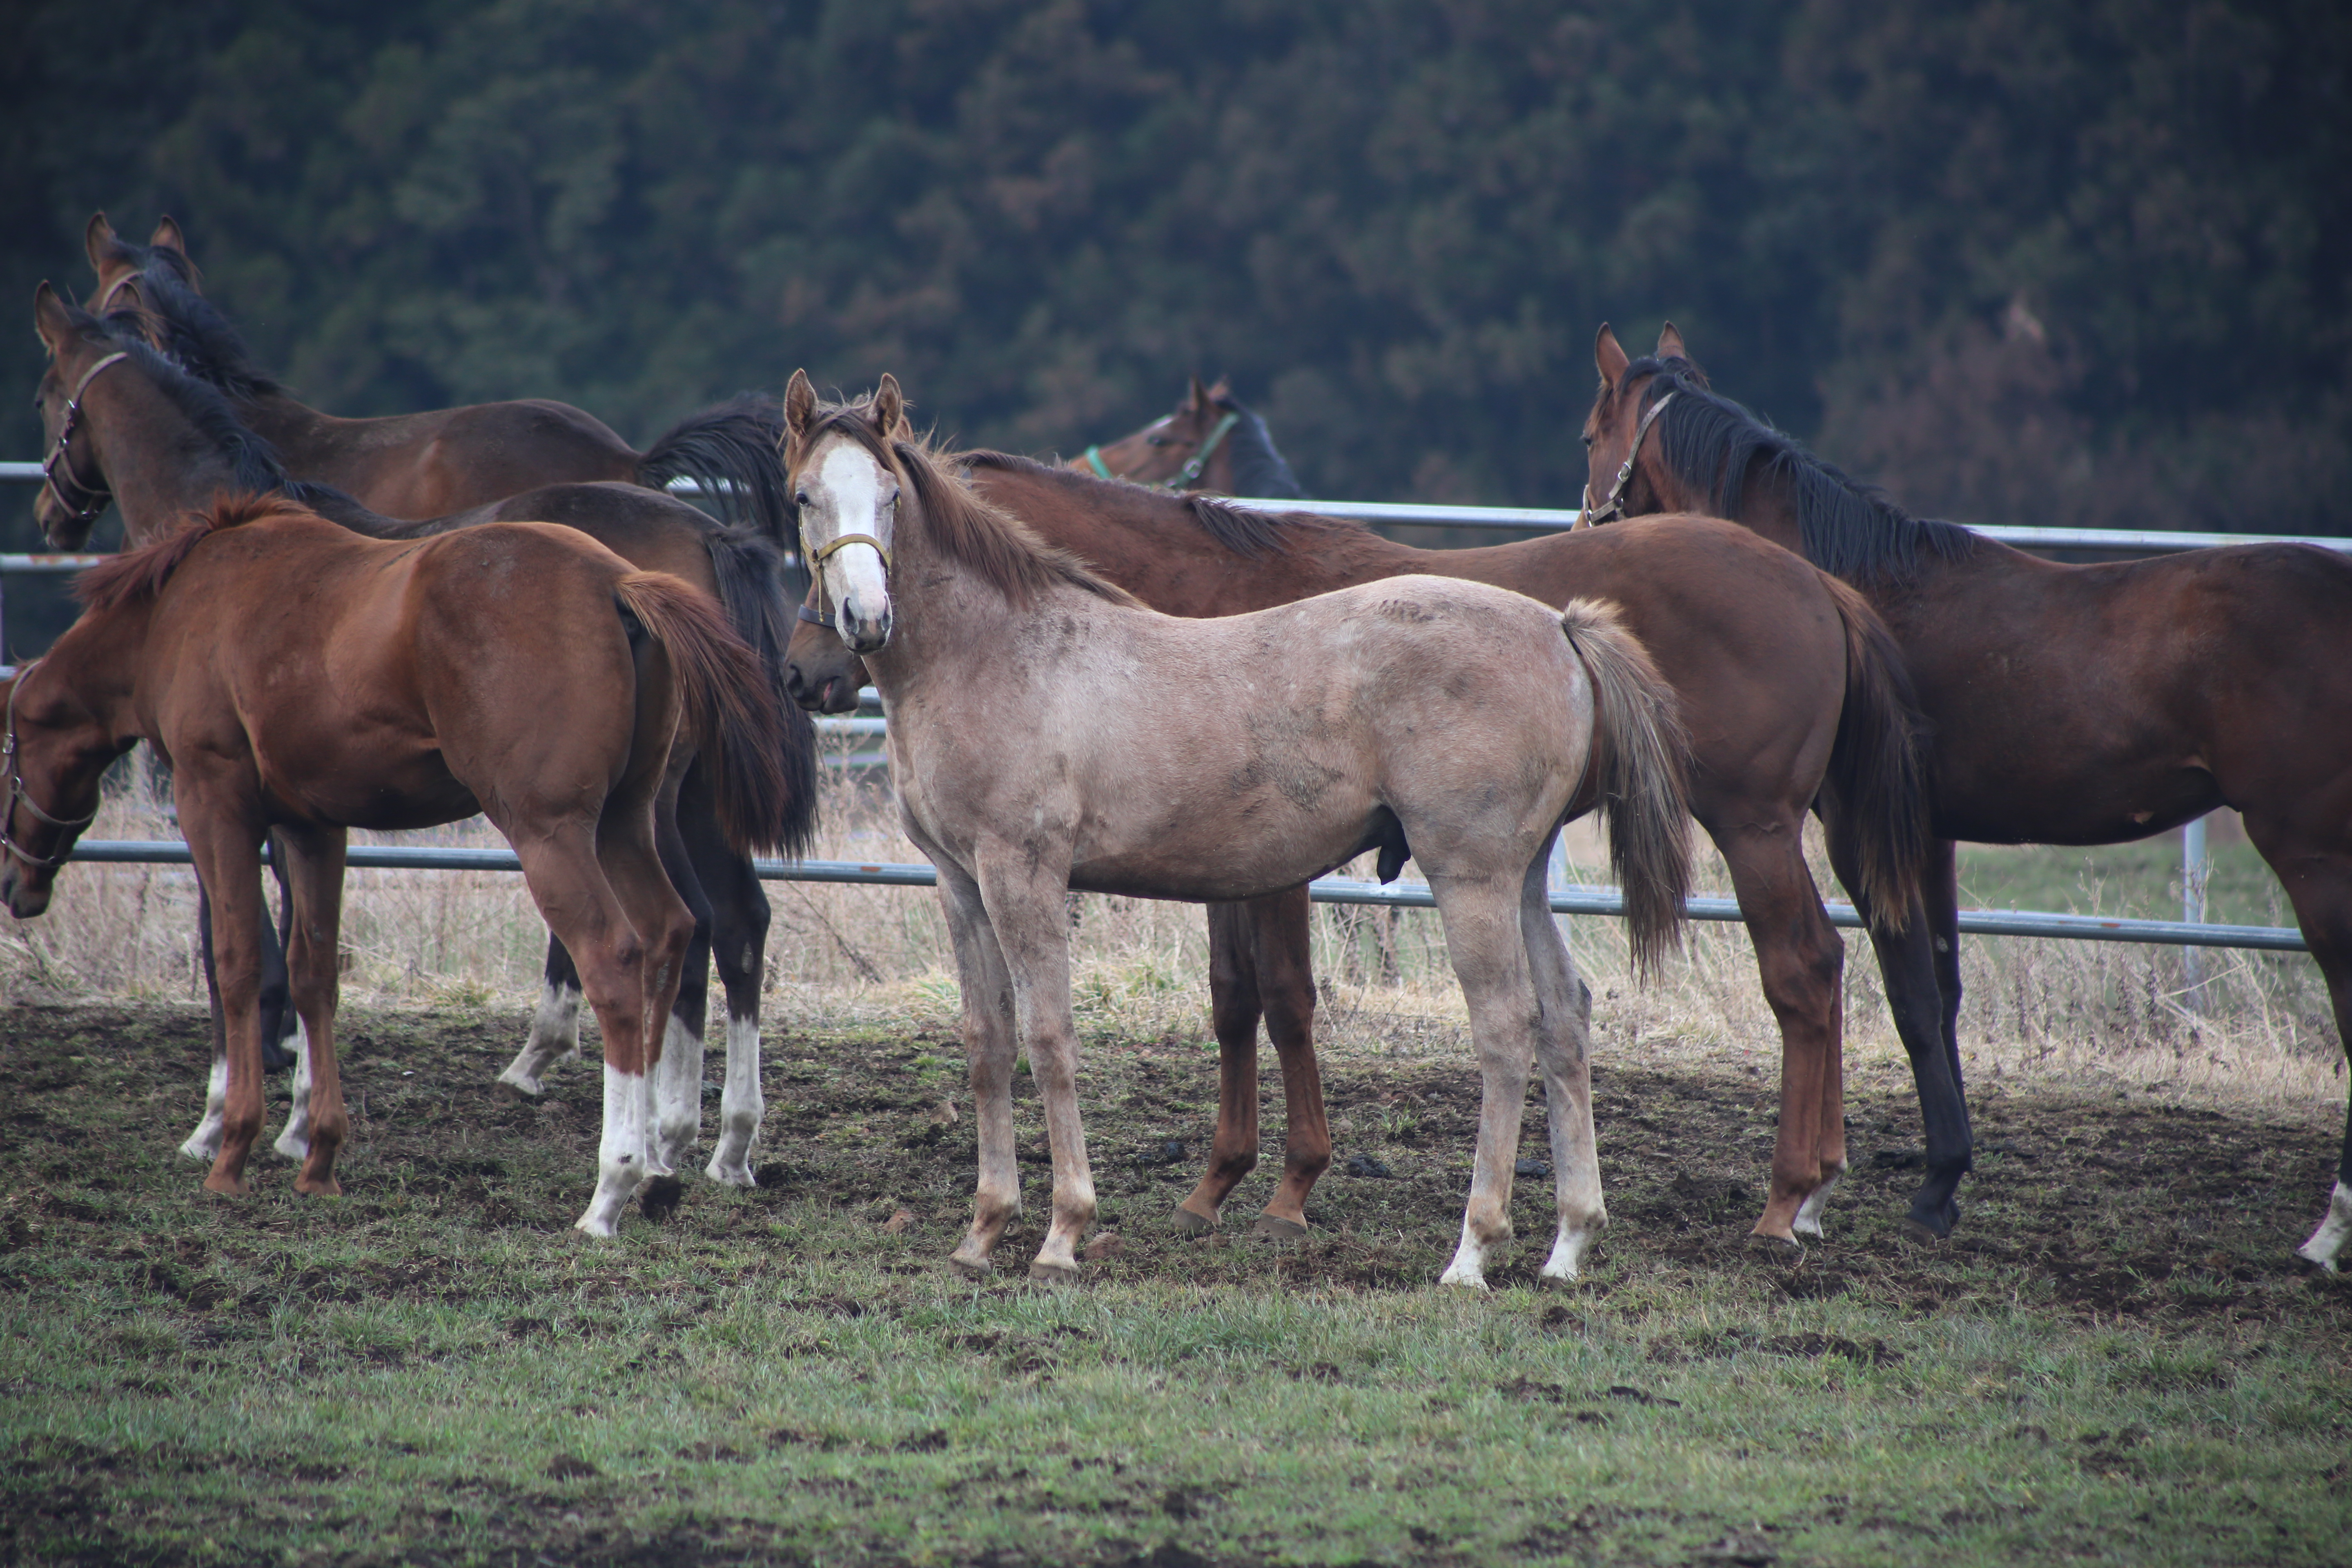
[1048,732]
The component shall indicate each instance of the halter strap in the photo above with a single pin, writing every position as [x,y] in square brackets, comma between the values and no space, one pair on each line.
[826,551]
[1184,477]
[58,461]
[1614,505]
[16,791]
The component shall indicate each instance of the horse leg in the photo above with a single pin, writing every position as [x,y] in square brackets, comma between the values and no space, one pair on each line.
[738,943]
[1025,903]
[1234,1012]
[279,1019]
[1563,1042]
[1490,958]
[2318,876]
[1802,962]
[986,988]
[1926,1008]
[1284,966]
[228,857]
[313,862]
[205,1142]
[555,1023]
[677,1072]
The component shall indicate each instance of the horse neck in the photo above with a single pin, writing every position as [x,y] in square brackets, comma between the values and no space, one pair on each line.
[159,465]
[944,610]
[99,659]
[289,425]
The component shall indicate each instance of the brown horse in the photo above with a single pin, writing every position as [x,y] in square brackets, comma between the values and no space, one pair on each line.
[128,426]
[417,466]
[1791,691]
[2070,704]
[1162,757]
[1211,442]
[304,679]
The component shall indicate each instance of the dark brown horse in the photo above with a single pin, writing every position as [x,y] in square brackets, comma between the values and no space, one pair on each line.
[130,426]
[417,466]
[1790,688]
[304,678]
[2069,704]
[1211,442]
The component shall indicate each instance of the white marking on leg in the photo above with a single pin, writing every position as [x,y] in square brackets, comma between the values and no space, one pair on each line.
[554,1030]
[1567,1253]
[2332,1232]
[1809,1213]
[739,1106]
[677,1097]
[295,1142]
[621,1154]
[1469,1266]
[205,1142]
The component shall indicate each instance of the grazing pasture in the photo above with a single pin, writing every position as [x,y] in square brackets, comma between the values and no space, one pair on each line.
[2111,1360]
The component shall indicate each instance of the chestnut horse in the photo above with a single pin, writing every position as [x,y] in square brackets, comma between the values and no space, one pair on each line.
[128,426]
[417,466]
[2070,704]
[1160,757]
[1211,442]
[304,678]
[1791,689]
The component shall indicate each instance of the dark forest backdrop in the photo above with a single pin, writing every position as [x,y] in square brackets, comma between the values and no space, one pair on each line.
[2053,261]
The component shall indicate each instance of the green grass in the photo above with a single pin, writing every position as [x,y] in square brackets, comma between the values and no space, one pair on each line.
[2112,1362]
[2140,881]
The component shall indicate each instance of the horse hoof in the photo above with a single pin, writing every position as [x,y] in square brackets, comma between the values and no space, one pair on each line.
[518,1088]
[227,1186]
[1273,1227]
[971,1268]
[1191,1224]
[736,1176]
[658,1198]
[1932,1225]
[1774,1249]
[1050,1273]
[329,1188]
[276,1058]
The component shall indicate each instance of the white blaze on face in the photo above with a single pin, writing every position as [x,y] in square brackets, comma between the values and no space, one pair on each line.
[853,492]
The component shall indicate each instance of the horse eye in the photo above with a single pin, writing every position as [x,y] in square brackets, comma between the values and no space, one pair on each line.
[1155,440]
[799,497]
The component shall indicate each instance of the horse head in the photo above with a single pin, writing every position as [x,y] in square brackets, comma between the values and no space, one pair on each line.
[52,755]
[1623,477]
[845,484]
[74,488]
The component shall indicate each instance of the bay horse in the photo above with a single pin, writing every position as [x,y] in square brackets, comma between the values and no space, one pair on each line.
[2070,704]
[422,465]
[1160,757]
[302,678]
[418,466]
[1791,689]
[1211,442]
[128,426]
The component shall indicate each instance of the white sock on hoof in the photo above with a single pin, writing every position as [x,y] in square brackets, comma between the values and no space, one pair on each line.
[1809,1213]
[205,1142]
[1468,1269]
[295,1142]
[621,1154]
[1567,1254]
[2332,1232]
[739,1106]
[554,1030]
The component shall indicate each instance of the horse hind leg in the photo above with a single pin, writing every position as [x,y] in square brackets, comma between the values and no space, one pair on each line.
[2318,876]
[1233,1010]
[678,1075]
[555,1023]
[1564,1043]
[739,945]
[1285,977]
[1482,935]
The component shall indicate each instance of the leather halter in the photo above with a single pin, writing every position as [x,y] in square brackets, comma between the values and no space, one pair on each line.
[58,461]
[1614,506]
[1184,477]
[825,552]
[16,791]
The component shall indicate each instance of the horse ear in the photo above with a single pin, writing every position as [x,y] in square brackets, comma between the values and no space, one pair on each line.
[1198,398]
[167,235]
[51,318]
[98,243]
[1223,392]
[1670,343]
[1609,356]
[800,404]
[889,412]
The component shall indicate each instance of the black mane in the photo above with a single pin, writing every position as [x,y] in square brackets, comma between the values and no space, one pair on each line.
[1848,529]
[253,462]
[193,330]
[1258,468]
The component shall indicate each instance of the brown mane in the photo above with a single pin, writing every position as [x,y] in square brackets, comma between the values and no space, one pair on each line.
[1238,528]
[140,574]
[969,531]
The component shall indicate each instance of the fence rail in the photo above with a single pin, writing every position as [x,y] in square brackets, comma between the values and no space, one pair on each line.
[1400,894]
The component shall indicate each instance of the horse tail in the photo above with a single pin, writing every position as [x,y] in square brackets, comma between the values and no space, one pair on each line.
[746,567]
[1875,793]
[1640,763]
[727,702]
[730,451]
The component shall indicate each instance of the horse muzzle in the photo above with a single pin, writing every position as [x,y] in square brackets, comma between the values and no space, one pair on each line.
[25,894]
[862,635]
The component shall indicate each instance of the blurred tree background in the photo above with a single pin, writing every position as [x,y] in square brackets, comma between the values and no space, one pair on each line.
[2074,262]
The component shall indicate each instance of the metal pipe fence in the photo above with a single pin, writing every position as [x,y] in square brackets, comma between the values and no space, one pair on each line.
[1400,894]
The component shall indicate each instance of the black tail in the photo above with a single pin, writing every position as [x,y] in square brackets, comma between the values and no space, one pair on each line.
[730,452]
[1876,789]
[749,569]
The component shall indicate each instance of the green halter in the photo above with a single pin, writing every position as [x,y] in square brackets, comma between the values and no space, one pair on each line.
[1185,477]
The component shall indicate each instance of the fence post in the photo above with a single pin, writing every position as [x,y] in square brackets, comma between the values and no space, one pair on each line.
[2194,869]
